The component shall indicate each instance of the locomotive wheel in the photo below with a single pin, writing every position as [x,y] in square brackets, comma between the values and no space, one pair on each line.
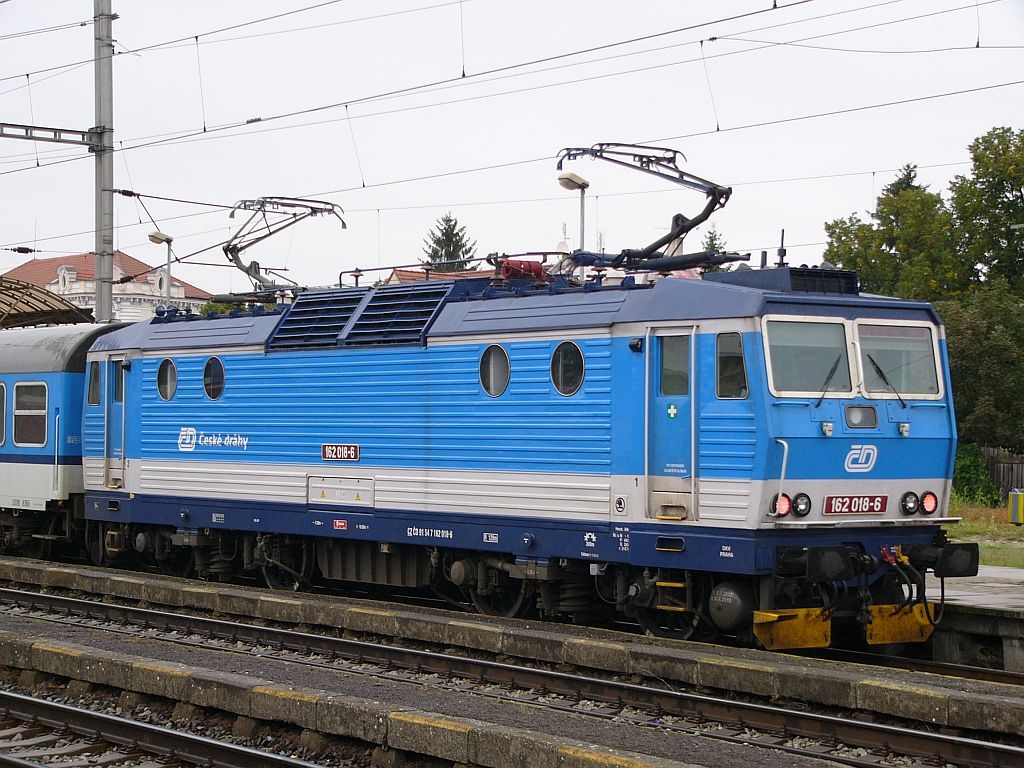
[294,567]
[94,542]
[512,600]
[180,563]
[670,624]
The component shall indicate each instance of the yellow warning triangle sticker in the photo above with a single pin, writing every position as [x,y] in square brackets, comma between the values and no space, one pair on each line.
[358,497]
[323,495]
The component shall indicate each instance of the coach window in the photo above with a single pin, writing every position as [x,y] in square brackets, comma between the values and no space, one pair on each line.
[494,370]
[30,414]
[675,365]
[3,413]
[567,368]
[167,379]
[94,383]
[732,373]
[213,378]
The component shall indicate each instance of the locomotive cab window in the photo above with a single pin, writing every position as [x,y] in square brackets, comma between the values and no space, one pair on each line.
[808,357]
[166,380]
[495,370]
[3,413]
[95,385]
[732,371]
[567,368]
[675,365]
[897,358]
[213,378]
[30,414]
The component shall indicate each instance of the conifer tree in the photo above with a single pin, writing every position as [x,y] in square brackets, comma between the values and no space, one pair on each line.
[448,247]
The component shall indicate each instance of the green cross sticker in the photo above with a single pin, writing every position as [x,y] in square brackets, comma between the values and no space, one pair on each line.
[672,411]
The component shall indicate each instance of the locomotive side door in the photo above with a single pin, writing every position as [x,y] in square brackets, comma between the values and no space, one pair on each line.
[113,454]
[670,450]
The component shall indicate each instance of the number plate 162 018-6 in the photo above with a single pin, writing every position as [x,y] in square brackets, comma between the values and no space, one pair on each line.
[855,505]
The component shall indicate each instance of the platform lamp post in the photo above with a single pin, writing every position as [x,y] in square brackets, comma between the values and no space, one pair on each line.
[157,238]
[569,180]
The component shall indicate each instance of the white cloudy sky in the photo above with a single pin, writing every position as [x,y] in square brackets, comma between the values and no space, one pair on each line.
[395,165]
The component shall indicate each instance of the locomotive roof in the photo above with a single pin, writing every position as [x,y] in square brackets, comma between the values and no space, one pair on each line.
[49,349]
[413,313]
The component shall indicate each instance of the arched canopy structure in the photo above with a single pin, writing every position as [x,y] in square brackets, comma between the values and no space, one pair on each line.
[23,304]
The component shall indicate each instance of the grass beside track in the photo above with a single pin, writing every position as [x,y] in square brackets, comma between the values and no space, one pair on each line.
[1001,542]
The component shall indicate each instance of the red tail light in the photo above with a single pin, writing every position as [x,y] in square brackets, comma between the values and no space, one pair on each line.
[929,502]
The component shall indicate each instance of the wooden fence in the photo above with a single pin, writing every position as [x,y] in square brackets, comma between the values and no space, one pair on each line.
[1007,469]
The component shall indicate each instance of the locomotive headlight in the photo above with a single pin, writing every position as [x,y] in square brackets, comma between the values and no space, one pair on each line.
[781,505]
[801,504]
[861,417]
[929,502]
[909,503]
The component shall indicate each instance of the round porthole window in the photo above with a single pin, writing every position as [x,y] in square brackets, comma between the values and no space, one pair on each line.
[213,378]
[494,370]
[167,379]
[567,368]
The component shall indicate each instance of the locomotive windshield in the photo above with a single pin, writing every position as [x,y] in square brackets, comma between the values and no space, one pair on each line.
[808,357]
[904,354]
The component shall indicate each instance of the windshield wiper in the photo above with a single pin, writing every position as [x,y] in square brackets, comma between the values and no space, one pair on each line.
[881,374]
[828,380]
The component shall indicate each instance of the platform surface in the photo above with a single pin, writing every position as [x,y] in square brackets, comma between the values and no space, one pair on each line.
[994,588]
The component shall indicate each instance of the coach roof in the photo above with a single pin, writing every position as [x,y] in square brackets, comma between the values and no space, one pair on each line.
[49,349]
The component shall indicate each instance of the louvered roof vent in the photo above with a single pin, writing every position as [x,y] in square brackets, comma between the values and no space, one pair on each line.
[317,319]
[397,314]
[388,314]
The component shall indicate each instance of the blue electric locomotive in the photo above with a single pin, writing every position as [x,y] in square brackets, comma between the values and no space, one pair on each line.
[761,451]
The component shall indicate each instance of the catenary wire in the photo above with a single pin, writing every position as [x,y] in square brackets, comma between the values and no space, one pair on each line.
[217,207]
[178,137]
[460,81]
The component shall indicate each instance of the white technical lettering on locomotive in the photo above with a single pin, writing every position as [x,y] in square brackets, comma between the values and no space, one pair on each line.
[339,452]
[861,458]
[726,551]
[429,533]
[189,438]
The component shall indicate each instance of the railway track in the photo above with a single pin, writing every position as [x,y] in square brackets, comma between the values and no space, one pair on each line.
[842,739]
[37,732]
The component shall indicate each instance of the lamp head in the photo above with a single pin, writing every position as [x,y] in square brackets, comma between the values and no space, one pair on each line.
[159,238]
[570,180]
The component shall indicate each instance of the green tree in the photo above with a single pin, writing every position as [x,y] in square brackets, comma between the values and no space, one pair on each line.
[988,202]
[985,334]
[907,249]
[713,241]
[447,245]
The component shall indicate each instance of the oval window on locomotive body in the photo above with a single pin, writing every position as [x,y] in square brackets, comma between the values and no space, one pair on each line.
[213,378]
[495,370]
[567,368]
[167,379]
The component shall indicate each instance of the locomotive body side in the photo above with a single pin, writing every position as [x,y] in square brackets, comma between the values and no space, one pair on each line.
[636,455]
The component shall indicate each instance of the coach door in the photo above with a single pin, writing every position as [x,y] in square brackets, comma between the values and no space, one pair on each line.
[114,423]
[670,470]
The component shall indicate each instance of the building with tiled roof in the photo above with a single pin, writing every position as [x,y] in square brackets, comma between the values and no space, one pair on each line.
[74,278]
[418,275]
